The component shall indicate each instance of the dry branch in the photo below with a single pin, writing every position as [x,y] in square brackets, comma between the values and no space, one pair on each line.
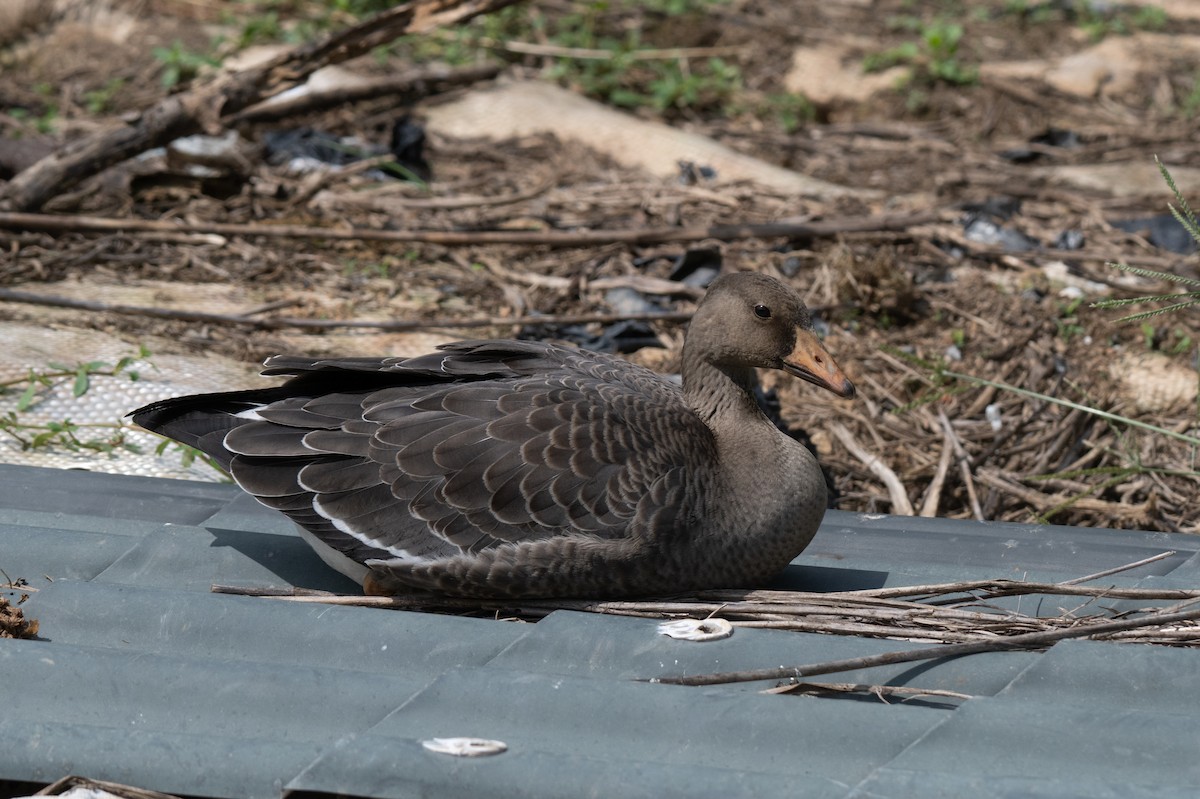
[277,323]
[896,492]
[553,238]
[404,88]
[1035,640]
[880,691]
[205,107]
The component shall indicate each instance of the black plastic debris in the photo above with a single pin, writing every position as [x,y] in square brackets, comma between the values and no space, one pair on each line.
[1000,208]
[305,149]
[791,266]
[1057,137]
[1163,231]
[408,148]
[628,301]
[984,231]
[1070,240]
[1053,137]
[697,267]
[691,173]
[983,224]
[620,337]
[951,249]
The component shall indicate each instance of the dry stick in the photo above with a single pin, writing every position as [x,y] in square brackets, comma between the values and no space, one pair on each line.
[1107,572]
[382,198]
[1025,641]
[553,238]
[899,497]
[705,602]
[203,107]
[66,786]
[859,688]
[405,87]
[583,53]
[993,478]
[964,465]
[930,506]
[276,323]
[1007,587]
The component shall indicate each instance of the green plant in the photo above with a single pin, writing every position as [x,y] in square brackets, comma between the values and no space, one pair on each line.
[1100,22]
[106,438]
[263,27]
[597,47]
[352,268]
[45,121]
[65,433]
[180,65]
[1185,216]
[787,110]
[680,85]
[1068,323]
[99,101]
[934,58]
[941,41]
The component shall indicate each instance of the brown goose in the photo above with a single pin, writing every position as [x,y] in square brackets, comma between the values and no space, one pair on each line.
[519,469]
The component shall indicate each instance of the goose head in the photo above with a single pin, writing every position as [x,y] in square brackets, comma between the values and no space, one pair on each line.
[747,321]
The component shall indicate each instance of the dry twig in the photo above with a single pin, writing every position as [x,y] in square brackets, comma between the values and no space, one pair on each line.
[406,87]
[1036,640]
[276,323]
[896,491]
[880,691]
[450,238]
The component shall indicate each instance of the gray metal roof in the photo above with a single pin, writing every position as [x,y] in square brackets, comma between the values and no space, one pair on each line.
[143,676]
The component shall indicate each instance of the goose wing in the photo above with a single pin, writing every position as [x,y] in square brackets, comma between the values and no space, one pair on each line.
[479,444]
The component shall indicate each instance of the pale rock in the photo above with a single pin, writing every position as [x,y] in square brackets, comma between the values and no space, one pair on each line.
[523,108]
[827,74]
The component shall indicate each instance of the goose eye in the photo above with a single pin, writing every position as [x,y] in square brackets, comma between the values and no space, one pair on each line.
[762,312]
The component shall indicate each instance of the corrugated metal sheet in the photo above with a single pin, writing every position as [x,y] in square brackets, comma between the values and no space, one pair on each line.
[144,676]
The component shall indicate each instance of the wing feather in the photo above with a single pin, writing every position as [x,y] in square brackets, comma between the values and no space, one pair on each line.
[478,445]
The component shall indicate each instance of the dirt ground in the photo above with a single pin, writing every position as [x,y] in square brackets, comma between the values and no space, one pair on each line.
[1042,128]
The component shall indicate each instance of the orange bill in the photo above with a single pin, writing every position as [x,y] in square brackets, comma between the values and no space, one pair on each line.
[810,361]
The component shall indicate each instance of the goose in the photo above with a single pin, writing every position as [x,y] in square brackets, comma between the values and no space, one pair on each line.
[510,469]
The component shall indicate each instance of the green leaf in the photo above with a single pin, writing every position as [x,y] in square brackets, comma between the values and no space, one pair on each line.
[82,382]
[27,397]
